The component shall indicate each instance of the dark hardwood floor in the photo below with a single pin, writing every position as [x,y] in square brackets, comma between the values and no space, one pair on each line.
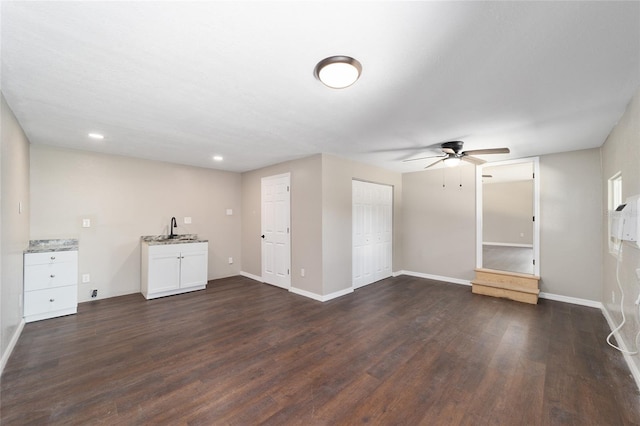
[403,351]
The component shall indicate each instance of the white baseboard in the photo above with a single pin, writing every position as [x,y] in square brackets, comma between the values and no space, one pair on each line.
[508,245]
[12,344]
[253,277]
[319,297]
[633,367]
[305,293]
[572,300]
[435,277]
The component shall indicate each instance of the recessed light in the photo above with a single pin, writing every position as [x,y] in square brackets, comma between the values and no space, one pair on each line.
[96,136]
[217,157]
[338,72]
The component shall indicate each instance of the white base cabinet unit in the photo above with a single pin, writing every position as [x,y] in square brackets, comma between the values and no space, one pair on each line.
[50,284]
[169,269]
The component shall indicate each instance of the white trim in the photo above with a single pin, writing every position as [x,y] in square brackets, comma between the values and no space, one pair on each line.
[436,277]
[318,297]
[251,276]
[507,245]
[572,300]
[11,345]
[536,208]
[635,371]
[397,273]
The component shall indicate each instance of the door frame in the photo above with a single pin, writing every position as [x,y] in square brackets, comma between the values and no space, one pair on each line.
[535,161]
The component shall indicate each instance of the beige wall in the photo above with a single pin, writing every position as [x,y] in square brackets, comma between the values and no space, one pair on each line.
[571,224]
[621,152]
[14,169]
[507,210]
[337,174]
[439,223]
[125,198]
[306,221]
[320,219]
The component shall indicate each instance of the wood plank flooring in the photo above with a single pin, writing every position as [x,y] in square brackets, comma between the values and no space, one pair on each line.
[403,351]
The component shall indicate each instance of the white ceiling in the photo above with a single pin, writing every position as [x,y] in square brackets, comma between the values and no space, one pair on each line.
[180,82]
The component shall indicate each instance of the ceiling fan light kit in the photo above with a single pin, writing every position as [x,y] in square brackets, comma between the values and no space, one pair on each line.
[451,161]
[338,72]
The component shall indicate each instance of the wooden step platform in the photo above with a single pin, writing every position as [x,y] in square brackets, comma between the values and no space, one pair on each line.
[508,285]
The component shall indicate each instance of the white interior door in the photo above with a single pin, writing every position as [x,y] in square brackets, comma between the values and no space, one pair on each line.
[276,242]
[372,228]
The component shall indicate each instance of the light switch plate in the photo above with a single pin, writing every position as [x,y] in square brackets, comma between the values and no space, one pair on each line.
[229,212]
[86,278]
[86,223]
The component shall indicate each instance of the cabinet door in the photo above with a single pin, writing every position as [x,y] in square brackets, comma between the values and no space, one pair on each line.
[194,269]
[164,272]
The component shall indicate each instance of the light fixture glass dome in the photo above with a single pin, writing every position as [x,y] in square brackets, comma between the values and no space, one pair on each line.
[451,161]
[338,72]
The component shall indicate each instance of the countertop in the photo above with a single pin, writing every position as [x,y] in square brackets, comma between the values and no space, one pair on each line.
[154,240]
[43,246]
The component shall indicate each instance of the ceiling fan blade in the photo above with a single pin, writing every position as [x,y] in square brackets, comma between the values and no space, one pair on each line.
[487,151]
[448,151]
[422,158]
[473,160]
[433,164]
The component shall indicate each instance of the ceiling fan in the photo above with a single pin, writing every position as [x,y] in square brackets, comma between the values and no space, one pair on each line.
[452,154]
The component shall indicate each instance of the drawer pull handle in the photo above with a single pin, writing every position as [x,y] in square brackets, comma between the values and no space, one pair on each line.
[52,300]
[52,276]
[53,258]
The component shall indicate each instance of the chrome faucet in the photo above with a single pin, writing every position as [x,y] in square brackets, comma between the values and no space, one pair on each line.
[174,224]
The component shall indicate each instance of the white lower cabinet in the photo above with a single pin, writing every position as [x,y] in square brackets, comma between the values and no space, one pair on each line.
[169,269]
[50,284]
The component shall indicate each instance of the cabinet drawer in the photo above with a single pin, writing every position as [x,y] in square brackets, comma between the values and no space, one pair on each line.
[50,300]
[38,277]
[50,257]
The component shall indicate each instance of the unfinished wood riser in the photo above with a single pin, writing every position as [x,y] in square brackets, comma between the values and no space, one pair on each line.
[513,286]
[530,281]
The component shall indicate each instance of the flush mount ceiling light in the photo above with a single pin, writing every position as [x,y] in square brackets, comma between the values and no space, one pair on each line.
[217,158]
[96,136]
[338,72]
[451,161]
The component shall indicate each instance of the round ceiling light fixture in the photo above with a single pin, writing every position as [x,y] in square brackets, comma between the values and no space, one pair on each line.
[338,72]
[451,161]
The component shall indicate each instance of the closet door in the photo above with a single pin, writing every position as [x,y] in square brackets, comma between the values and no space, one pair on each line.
[372,232]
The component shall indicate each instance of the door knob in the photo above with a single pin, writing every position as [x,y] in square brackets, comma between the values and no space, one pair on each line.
[262,236]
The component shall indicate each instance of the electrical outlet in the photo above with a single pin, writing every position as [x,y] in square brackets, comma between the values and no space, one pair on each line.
[86,223]
[230,260]
[94,293]
[613,297]
[86,278]
[229,212]
[638,273]
[187,220]
[302,272]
